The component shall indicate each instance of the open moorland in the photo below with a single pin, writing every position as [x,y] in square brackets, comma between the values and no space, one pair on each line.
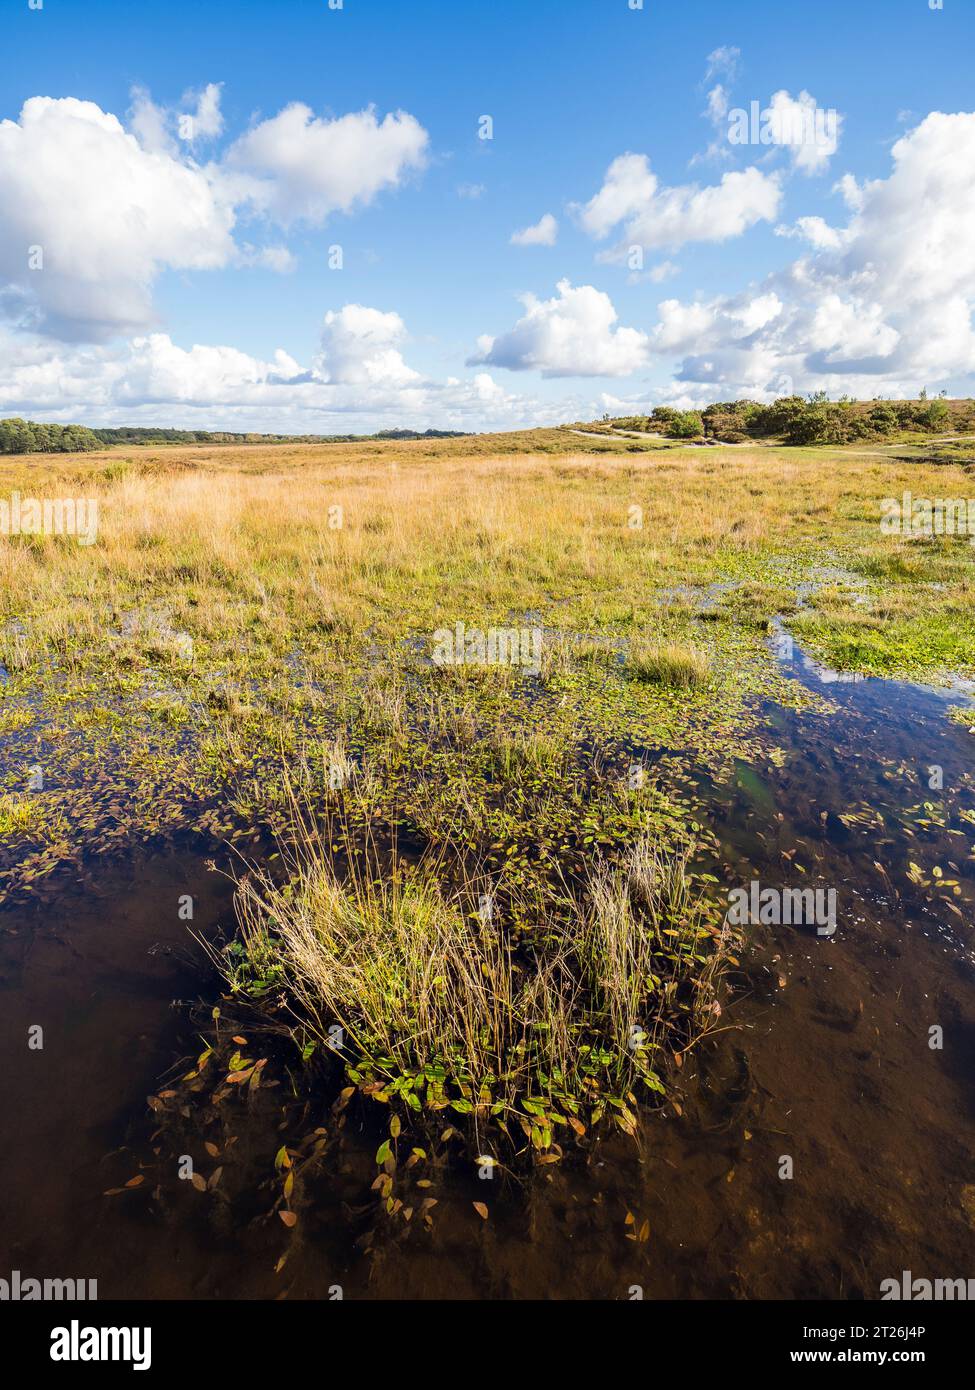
[479,734]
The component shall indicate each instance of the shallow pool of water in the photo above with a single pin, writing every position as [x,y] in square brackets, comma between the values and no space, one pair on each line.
[823,1059]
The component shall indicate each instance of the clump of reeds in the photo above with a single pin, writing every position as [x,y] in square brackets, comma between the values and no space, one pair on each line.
[16,814]
[438,1005]
[648,954]
[674,664]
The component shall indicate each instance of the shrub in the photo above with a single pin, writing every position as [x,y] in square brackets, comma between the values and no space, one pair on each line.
[883,419]
[778,417]
[686,424]
[937,416]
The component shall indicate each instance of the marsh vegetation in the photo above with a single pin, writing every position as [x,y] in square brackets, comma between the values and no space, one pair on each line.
[486,888]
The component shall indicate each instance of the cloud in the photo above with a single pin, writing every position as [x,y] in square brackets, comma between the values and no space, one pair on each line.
[276,258]
[91,213]
[150,124]
[815,230]
[208,119]
[161,129]
[359,383]
[882,304]
[656,275]
[574,334]
[798,125]
[471,191]
[360,348]
[809,133]
[107,216]
[543,233]
[718,103]
[654,216]
[300,167]
[723,62]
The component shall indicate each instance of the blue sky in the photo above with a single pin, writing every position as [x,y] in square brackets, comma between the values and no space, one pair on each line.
[757,298]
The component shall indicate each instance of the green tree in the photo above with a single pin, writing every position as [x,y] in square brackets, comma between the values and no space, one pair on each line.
[686,424]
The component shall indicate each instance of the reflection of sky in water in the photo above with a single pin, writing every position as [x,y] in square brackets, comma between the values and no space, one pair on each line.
[872,793]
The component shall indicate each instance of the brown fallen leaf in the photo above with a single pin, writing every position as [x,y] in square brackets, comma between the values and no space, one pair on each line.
[136,1182]
[289,1218]
[481,1210]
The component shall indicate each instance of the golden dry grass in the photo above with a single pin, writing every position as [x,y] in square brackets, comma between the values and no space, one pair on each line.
[243,541]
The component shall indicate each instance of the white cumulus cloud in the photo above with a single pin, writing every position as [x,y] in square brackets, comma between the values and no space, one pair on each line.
[654,216]
[359,383]
[296,166]
[574,334]
[106,215]
[881,305]
[543,233]
[808,131]
[92,212]
[360,347]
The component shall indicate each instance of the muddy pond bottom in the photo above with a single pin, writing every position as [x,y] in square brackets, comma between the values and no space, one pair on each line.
[823,1143]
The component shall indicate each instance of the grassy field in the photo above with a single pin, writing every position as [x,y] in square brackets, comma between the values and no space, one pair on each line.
[490,873]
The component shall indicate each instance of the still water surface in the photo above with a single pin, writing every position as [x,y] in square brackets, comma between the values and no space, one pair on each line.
[824,1059]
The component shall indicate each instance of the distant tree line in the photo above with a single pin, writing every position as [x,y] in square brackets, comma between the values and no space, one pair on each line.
[807,420]
[27,437]
[148,435]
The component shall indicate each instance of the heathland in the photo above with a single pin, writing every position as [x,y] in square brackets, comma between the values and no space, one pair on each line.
[446,697]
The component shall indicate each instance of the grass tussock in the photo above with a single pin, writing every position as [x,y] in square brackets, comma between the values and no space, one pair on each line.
[673,664]
[16,815]
[441,1005]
